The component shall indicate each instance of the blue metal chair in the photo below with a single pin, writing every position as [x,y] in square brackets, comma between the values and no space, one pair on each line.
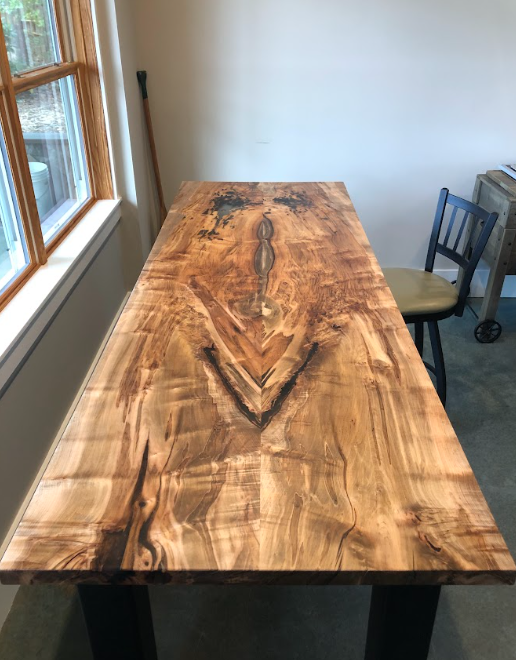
[424,297]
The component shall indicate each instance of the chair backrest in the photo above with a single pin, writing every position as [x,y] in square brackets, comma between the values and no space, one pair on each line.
[466,253]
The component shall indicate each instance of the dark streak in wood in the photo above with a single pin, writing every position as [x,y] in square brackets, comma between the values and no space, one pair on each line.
[210,353]
[294,201]
[223,207]
[287,388]
[114,547]
[264,418]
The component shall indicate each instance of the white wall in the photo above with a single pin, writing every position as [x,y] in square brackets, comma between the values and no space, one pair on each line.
[397,98]
[116,29]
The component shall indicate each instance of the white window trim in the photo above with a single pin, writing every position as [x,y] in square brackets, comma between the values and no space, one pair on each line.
[27,315]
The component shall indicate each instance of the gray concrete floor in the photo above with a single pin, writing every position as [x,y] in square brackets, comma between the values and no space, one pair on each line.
[326,623]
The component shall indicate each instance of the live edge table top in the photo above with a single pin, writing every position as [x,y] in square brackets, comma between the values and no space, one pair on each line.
[260,414]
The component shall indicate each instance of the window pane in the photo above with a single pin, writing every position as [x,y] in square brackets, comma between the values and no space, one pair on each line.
[13,250]
[55,146]
[30,33]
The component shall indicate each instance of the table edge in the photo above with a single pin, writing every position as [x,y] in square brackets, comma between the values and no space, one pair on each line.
[258,577]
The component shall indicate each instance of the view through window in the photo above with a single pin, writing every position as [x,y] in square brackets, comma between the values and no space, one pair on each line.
[13,249]
[55,147]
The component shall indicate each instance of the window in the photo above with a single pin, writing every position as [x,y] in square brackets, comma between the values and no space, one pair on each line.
[54,160]
[14,257]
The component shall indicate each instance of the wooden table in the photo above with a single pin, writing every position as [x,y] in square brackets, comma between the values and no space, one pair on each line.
[260,415]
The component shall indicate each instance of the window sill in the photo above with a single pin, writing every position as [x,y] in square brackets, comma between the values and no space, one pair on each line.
[27,315]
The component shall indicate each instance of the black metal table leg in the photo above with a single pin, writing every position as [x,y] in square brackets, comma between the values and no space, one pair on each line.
[401,620]
[419,336]
[437,351]
[119,622]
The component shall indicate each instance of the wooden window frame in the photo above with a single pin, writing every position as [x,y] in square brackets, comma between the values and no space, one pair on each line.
[78,53]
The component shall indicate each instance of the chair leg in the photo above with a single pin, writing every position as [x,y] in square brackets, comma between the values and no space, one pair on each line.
[419,337]
[437,352]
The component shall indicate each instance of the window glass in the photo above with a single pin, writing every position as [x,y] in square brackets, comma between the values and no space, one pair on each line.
[54,141]
[13,249]
[30,33]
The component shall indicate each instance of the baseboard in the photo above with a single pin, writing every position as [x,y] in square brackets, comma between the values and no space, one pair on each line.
[7,593]
[479,282]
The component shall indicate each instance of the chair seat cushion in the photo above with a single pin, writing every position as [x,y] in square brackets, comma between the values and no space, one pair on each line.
[418,293]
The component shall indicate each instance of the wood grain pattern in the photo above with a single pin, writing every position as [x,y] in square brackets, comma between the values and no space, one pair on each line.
[260,414]
[90,97]
[44,76]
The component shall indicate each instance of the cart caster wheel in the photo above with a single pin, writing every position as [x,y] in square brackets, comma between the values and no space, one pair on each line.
[488,331]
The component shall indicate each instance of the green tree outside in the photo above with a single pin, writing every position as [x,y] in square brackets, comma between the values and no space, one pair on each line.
[28,33]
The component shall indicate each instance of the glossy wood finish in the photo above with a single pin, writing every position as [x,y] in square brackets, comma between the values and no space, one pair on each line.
[259,415]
